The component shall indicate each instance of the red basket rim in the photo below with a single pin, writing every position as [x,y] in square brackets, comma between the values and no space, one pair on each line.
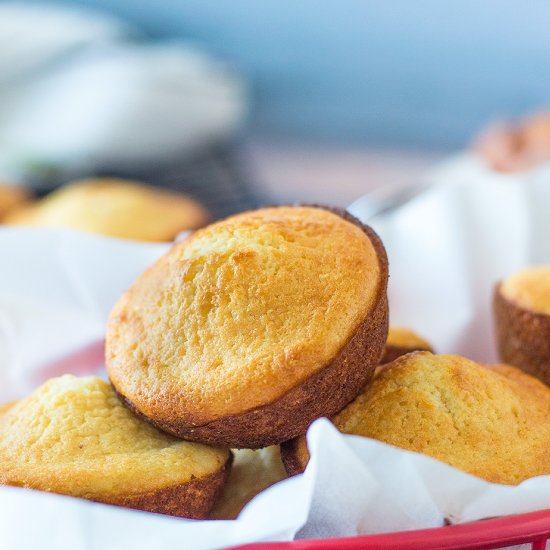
[479,535]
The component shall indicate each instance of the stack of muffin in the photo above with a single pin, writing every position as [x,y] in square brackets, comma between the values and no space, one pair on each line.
[239,337]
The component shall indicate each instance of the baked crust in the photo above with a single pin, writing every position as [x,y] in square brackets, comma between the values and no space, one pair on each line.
[391,353]
[402,341]
[295,455]
[194,499]
[523,336]
[488,420]
[323,393]
[72,436]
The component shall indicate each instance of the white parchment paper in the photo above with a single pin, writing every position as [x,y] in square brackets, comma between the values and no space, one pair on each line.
[447,248]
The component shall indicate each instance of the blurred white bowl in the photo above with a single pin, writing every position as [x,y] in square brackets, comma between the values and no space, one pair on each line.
[77,94]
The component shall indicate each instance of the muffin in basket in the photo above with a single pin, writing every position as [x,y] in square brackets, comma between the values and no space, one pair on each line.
[522,321]
[73,436]
[402,341]
[114,207]
[246,331]
[488,420]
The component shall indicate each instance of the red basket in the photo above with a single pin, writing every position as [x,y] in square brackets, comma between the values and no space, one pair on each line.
[533,528]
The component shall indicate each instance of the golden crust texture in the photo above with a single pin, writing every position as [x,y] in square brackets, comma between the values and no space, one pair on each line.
[117,208]
[402,341]
[529,289]
[245,332]
[12,197]
[252,472]
[72,436]
[490,421]
[522,322]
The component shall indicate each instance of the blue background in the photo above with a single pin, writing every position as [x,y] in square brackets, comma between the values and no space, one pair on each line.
[400,72]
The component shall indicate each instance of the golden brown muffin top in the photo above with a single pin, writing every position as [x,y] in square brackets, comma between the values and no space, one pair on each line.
[73,436]
[529,289]
[489,421]
[242,311]
[401,337]
[114,207]
[401,341]
[12,197]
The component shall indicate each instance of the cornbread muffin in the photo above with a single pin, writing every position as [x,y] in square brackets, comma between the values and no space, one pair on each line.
[114,207]
[12,197]
[522,321]
[73,436]
[490,421]
[402,341]
[245,332]
[516,147]
[252,472]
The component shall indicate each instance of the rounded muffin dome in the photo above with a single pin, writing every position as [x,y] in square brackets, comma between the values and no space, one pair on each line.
[114,207]
[401,341]
[249,329]
[529,289]
[487,420]
[73,436]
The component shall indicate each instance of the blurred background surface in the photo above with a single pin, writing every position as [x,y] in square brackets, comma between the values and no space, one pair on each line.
[319,101]
[416,74]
